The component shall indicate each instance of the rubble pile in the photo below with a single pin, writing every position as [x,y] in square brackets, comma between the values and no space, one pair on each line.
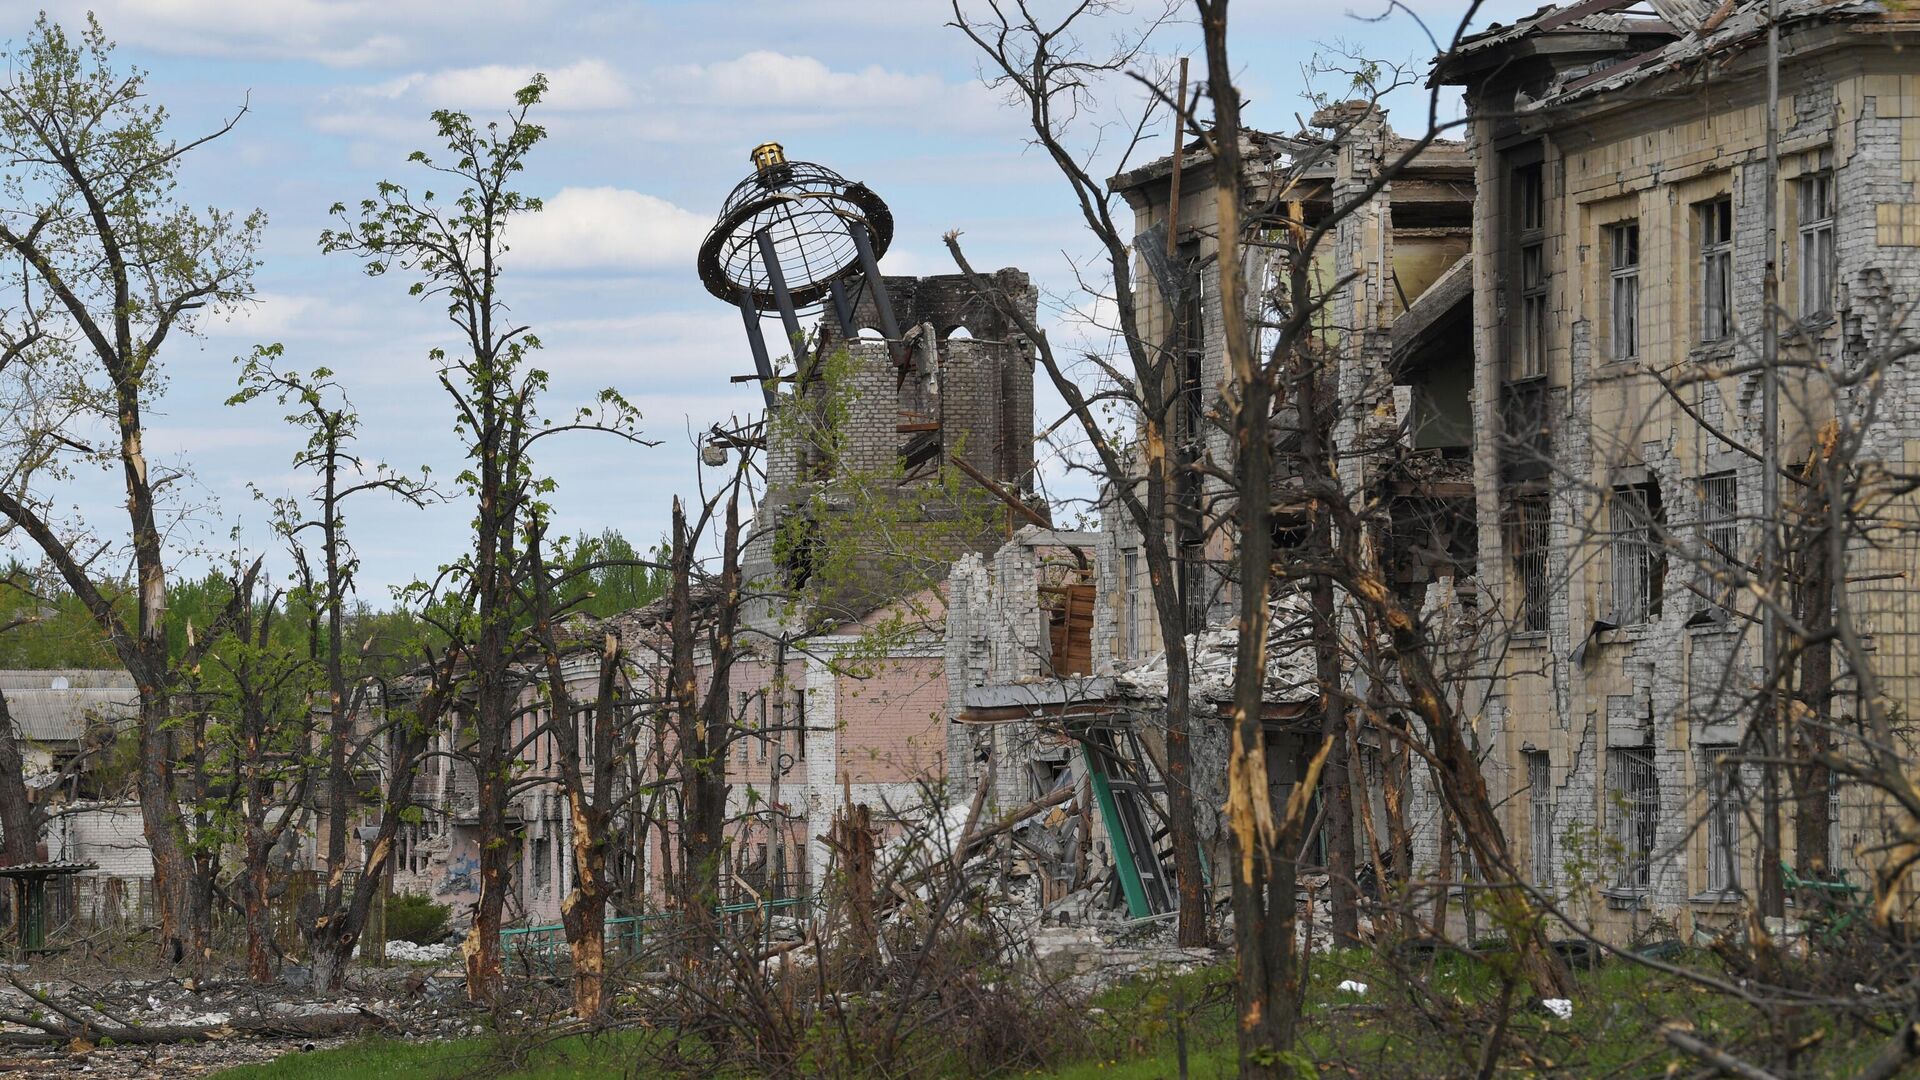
[232,1015]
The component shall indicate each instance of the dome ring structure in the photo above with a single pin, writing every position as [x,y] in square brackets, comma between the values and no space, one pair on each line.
[807,211]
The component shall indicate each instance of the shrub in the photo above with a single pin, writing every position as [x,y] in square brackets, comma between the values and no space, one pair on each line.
[415,918]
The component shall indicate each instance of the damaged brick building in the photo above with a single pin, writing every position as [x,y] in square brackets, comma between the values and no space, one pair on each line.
[1546,351]
[1620,257]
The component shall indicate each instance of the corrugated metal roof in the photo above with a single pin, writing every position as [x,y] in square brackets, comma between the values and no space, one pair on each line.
[63,715]
[50,678]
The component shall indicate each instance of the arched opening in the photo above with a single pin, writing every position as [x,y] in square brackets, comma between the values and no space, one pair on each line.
[956,333]
[868,333]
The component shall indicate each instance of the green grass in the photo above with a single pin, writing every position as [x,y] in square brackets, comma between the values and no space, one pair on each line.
[1133,1030]
[395,1059]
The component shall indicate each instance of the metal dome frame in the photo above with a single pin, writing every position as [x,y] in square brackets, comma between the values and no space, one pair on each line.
[801,200]
[798,217]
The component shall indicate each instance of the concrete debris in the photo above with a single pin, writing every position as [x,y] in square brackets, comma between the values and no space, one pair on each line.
[408,952]
[1290,666]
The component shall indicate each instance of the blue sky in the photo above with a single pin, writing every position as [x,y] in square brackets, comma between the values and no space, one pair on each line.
[653,109]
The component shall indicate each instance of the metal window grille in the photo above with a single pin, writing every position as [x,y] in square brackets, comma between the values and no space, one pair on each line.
[744,698]
[1816,244]
[1636,805]
[1131,591]
[1716,269]
[1540,819]
[1720,534]
[1624,240]
[1723,822]
[1836,834]
[1637,565]
[1529,539]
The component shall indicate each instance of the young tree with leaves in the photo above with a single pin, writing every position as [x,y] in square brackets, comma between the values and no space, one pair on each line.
[113,265]
[455,249]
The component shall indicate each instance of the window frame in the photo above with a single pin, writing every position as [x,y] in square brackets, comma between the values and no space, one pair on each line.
[1723,820]
[1623,294]
[1714,219]
[1527,354]
[1633,545]
[1637,814]
[1540,814]
[1815,252]
[1530,536]
[1718,533]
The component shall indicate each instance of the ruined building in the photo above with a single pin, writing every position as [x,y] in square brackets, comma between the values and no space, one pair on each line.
[1055,650]
[922,431]
[1620,258]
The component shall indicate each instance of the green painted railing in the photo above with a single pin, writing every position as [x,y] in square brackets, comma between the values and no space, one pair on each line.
[549,943]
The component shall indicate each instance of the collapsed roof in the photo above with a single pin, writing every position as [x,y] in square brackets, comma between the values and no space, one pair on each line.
[1687,38]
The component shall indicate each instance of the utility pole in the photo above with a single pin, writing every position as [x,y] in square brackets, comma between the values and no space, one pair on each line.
[1772,891]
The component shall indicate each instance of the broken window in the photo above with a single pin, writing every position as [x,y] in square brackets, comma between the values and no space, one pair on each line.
[1816,244]
[1527,537]
[1719,539]
[1635,792]
[1723,820]
[1069,611]
[542,862]
[1716,268]
[800,723]
[1130,639]
[1529,190]
[1639,562]
[1540,817]
[1623,242]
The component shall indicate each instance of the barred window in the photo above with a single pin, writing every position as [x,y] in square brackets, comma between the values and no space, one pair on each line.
[1816,244]
[1836,834]
[1723,821]
[1716,268]
[1635,792]
[1639,562]
[1624,244]
[1540,818]
[1719,538]
[1527,535]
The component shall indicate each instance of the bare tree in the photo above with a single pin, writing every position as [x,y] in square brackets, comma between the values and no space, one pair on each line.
[1048,67]
[319,406]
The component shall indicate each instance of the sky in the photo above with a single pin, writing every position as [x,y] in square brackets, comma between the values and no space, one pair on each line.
[652,110]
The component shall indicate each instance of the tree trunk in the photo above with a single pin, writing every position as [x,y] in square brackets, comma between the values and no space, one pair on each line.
[481,950]
[173,873]
[259,927]
[18,835]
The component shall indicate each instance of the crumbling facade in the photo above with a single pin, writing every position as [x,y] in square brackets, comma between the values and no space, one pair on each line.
[839,684]
[1620,263]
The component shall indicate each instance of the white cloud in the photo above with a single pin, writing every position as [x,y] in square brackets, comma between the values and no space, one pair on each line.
[773,79]
[608,228]
[584,84]
[341,33]
[787,90]
[267,318]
